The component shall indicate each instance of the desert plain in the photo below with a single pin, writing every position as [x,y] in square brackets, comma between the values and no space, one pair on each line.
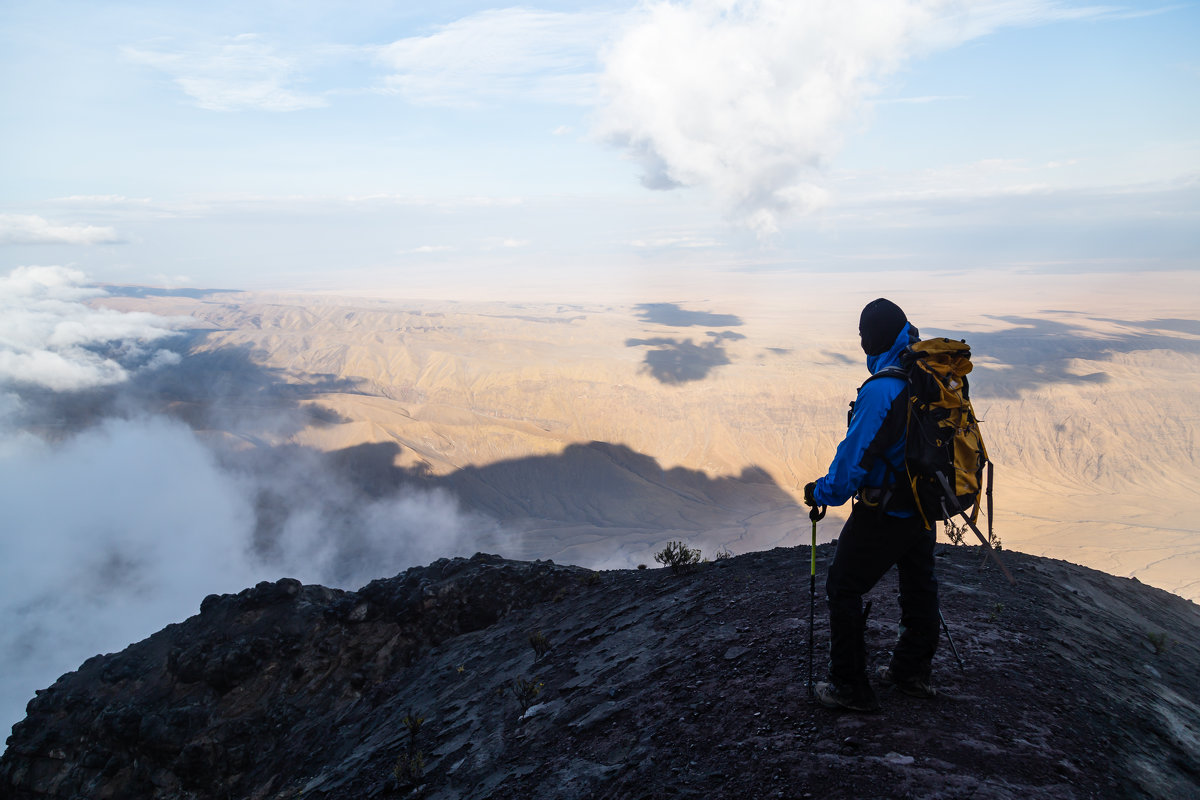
[592,427]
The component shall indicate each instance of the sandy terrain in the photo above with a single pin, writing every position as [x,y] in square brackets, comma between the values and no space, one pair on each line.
[718,404]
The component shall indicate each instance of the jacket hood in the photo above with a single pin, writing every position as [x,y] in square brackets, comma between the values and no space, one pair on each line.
[908,335]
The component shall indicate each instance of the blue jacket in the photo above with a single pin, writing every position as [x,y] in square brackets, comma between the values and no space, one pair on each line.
[875,437]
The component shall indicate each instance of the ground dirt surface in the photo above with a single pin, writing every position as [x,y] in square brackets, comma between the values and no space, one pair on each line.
[637,684]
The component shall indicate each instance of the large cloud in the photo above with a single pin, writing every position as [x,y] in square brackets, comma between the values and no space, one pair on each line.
[752,98]
[49,338]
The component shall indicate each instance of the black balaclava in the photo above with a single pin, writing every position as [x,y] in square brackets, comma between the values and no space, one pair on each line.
[880,324]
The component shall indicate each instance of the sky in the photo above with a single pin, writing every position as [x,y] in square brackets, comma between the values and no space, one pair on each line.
[313,145]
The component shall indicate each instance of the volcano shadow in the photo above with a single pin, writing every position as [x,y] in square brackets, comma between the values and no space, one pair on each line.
[595,484]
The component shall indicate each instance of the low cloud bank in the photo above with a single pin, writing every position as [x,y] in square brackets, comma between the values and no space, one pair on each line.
[121,520]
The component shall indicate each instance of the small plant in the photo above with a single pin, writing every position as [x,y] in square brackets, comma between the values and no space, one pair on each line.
[413,722]
[539,643]
[679,557]
[525,691]
[723,554]
[460,669]
[590,579]
[409,768]
[957,534]
[954,532]
[410,765]
[1159,641]
[641,566]
[997,609]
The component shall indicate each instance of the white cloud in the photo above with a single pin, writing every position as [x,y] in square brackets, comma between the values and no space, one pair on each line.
[127,526]
[50,338]
[447,203]
[751,99]
[101,200]
[501,55]
[241,72]
[32,229]
[87,567]
[684,241]
[923,100]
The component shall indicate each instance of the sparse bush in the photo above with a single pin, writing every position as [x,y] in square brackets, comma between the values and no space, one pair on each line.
[1159,641]
[413,722]
[957,534]
[525,691]
[409,768]
[954,532]
[539,643]
[723,554]
[679,557]
[590,579]
[410,765]
[641,566]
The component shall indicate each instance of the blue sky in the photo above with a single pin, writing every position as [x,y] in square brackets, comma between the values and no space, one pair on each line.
[322,145]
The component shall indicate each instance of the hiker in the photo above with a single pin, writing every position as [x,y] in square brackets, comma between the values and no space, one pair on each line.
[883,529]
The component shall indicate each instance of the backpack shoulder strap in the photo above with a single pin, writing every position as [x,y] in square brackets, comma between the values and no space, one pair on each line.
[887,372]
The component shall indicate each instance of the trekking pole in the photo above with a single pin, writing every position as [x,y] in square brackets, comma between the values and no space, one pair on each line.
[815,513]
[953,649]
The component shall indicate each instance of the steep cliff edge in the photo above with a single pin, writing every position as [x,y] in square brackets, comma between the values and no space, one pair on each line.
[490,678]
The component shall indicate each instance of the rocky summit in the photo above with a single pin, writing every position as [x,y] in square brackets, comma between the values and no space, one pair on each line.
[488,678]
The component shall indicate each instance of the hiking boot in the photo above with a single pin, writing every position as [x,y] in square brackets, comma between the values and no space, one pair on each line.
[851,698]
[913,687]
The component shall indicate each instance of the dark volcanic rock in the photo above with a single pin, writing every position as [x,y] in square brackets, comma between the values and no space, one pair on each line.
[490,678]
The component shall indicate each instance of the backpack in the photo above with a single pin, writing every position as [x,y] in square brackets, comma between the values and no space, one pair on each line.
[944,457]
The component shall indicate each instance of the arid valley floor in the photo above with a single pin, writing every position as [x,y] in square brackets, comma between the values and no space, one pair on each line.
[593,432]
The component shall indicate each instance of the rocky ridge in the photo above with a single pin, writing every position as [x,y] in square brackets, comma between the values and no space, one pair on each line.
[489,678]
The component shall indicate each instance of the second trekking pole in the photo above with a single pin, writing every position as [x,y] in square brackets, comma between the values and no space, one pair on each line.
[815,513]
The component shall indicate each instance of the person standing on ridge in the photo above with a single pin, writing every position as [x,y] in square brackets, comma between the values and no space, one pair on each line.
[883,528]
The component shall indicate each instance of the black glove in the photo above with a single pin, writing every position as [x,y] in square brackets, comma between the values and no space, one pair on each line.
[815,512]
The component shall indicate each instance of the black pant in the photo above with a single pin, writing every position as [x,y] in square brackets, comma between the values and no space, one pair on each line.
[870,543]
